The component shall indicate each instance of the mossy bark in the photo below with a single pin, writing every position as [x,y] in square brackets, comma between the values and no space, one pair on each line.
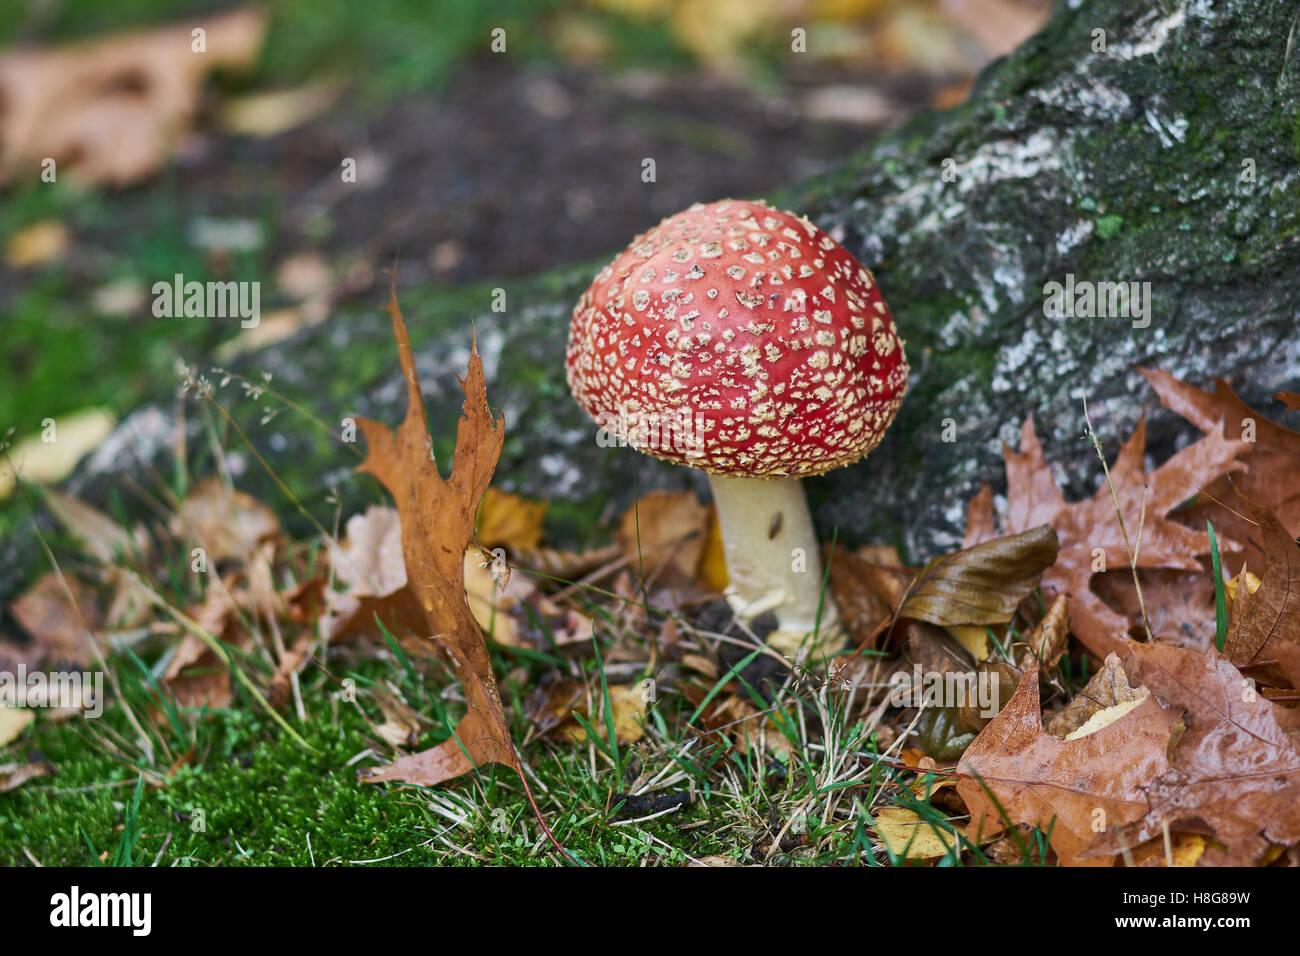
[1171,157]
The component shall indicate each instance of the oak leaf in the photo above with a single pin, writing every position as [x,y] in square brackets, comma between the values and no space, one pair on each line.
[437,517]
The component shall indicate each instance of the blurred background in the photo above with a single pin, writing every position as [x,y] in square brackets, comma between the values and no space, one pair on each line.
[310,144]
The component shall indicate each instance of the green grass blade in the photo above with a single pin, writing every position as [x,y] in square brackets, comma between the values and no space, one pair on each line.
[1220,598]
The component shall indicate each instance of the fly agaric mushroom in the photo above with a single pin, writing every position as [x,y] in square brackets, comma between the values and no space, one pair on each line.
[745,342]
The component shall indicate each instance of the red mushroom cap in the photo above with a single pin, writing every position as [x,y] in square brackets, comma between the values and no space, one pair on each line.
[740,340]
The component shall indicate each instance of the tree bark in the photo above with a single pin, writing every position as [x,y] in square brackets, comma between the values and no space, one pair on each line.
[1170,157]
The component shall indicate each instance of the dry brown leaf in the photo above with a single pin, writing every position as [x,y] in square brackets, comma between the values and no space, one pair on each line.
[975,710]
[113,546]
[1071,786]
[934,651]
[739,721]
[282,679]
[195,676]
[1107,716]
[437,525]
[14,775]
[1106,688]
[1235,773]
[867,594]
[368,562]
[1272,476]
[553,702]
[983,583]
[566,565]
[58,627]
[1050,638]
[999,26]
[1090,529]
[510,520]
[106,540]
[664,533]
[403,725]
[227,524]
[1180,604]
[111,110]
[1269,616]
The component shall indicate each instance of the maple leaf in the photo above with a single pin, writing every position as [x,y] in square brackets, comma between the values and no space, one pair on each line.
[437,517]
[1272,478]
[1085,527]
[1235,772]
[1067,786]
[1271,615]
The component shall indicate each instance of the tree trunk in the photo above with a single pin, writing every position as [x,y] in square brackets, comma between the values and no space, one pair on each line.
[1170,158]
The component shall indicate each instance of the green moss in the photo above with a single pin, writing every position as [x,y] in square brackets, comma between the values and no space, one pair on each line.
[1108,226]
[253,797]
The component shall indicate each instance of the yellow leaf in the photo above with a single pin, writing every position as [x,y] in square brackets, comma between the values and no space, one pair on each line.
[1252,585]
[52,453]
[269,114]
[908,836]
[713,563]
[1184,850]
[39,243]
[973,637]
[629,705]
[13,721]
[510,520]
[1108,715]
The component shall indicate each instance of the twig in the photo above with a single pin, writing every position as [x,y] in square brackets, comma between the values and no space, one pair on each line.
[1132,553]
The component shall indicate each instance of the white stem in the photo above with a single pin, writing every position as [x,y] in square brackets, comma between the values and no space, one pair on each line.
[773,559]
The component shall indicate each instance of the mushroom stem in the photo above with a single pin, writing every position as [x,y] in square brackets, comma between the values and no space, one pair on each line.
[774,561]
